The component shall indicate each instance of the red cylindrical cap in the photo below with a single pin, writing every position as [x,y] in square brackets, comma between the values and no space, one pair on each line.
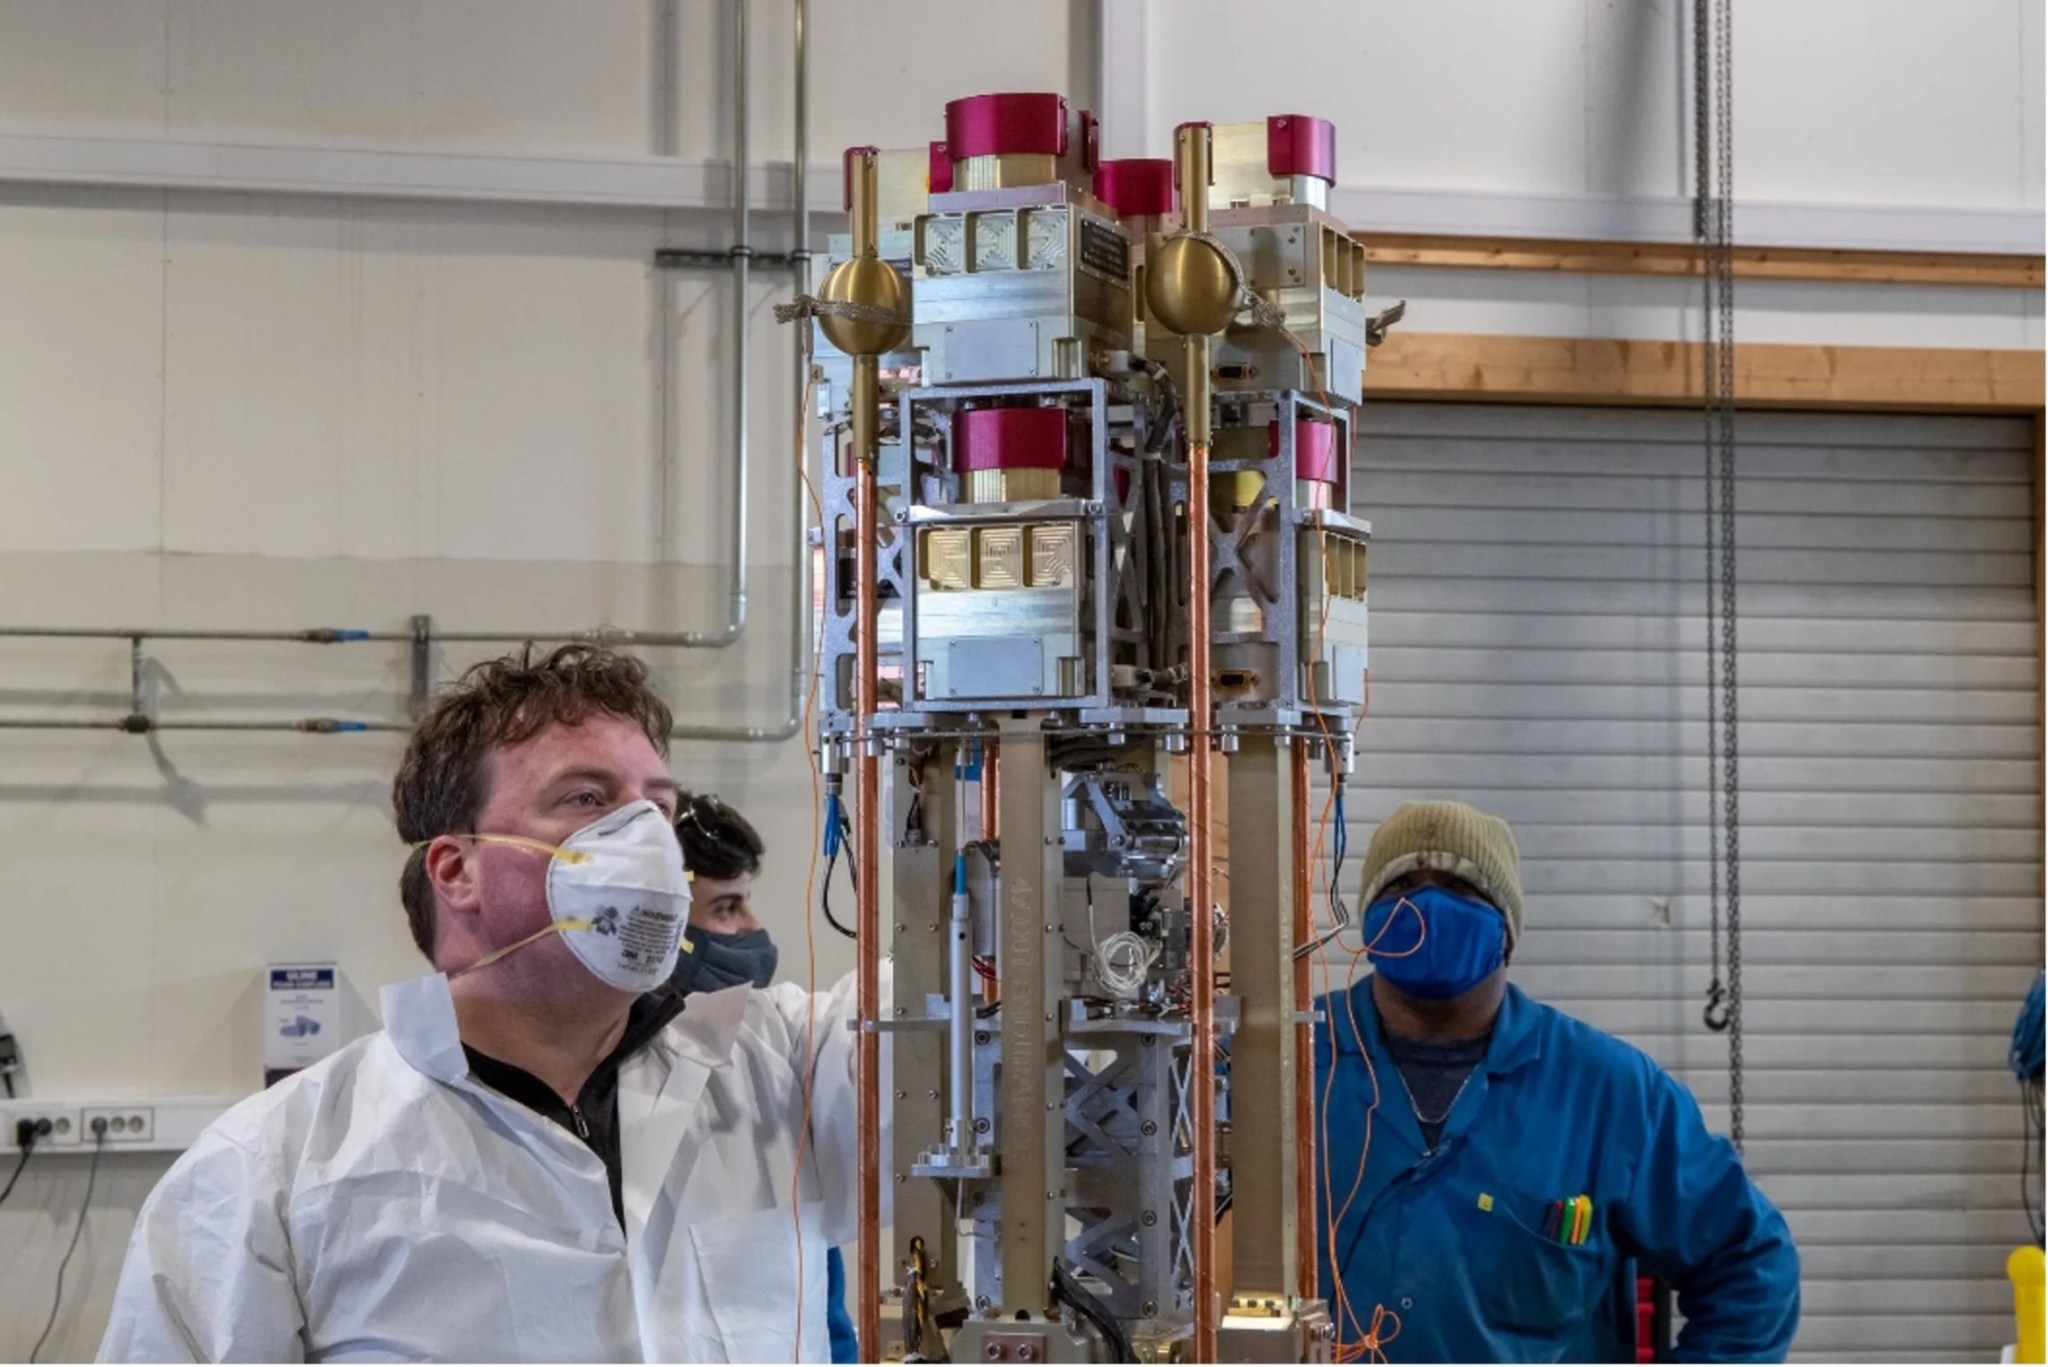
[1009,439]
[938,175]
[1315,448]
[1002,125]
[1136,186]
[1298,145]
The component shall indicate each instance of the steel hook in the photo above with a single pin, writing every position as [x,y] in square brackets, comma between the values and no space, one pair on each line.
[1716,1016]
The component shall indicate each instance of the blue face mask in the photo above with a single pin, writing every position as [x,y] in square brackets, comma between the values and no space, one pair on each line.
[714,959]
[1434,944]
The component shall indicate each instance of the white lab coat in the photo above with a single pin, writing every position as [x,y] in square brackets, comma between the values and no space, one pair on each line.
[383,1205]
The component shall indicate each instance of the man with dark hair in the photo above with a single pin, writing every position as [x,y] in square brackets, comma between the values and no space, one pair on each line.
[543,1155]
[729,947]
[722,851]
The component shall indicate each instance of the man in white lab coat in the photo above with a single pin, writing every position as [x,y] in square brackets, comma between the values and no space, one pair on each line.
[730,948]
[541,1156]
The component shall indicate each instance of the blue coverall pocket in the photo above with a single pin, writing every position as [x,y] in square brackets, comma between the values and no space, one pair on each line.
[1528,1284]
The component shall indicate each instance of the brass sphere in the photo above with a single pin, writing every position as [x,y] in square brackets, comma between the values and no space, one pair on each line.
[1189,288]
[873,282]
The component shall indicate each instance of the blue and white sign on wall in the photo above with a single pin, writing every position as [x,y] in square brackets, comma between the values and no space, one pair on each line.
[301,1018]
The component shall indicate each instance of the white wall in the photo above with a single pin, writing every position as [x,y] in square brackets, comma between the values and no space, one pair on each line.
[260,410]
[1867,102]
[1898,123]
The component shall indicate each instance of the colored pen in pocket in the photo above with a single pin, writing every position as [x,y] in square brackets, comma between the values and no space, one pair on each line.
[1579,1221]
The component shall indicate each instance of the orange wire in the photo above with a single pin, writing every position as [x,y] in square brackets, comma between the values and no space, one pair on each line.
[1342,1297]
[1342,1311]
[810,886]
[1335,1217]
[1374,1341]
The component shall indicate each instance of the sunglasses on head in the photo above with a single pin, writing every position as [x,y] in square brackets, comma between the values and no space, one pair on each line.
[713,820]
[705,812]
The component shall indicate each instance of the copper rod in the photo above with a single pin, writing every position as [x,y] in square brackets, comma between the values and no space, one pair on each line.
[1192,172]
[990,755]
[1201,885]
[867,850]
[991,800]
[1304,1072]
[864,404]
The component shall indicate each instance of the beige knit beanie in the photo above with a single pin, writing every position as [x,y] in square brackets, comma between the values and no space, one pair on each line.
[1452,838]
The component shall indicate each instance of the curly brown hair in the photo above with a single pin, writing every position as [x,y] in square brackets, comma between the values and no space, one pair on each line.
[441,784]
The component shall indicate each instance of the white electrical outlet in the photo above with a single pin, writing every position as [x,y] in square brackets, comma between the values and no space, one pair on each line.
[160,1124]
[125,1124]
[56,1126]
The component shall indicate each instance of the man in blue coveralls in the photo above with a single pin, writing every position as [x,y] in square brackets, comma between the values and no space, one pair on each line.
[1491,1165]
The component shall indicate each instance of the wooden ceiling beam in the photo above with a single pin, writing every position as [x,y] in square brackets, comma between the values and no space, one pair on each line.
[1510,369]
[1843,266]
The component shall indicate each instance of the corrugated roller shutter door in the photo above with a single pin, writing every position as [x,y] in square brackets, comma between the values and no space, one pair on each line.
[1538,649]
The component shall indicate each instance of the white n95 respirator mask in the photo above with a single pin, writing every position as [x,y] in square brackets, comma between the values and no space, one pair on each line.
[618,896]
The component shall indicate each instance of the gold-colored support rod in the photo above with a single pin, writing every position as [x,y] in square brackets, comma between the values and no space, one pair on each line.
[1264,1233]
[1030,1114]
[1304,1071]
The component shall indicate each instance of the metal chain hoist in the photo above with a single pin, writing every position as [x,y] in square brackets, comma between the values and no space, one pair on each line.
[1713,229]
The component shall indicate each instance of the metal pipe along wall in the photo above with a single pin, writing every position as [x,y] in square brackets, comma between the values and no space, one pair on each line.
[738,505]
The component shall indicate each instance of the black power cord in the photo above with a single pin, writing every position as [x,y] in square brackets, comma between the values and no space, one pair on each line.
[99,1146]
[838,841]
[2030,1146]
[825,899]
[1067,1288]
[1340,846]
[25,1136]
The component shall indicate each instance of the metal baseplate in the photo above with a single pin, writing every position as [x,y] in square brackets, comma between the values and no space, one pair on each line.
[955,1165]
[1256,1329]
[1028,1342]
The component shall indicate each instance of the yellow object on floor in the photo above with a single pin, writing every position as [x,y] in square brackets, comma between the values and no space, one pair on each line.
[2029,1302]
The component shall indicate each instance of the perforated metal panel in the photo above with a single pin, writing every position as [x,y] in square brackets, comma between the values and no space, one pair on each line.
[1539,650]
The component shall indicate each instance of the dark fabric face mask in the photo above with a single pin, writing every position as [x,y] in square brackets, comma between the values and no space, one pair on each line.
[716,959]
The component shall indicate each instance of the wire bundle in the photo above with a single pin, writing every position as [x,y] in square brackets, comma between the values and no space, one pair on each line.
[84,1208]
[1123,960]
[2027,1064]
